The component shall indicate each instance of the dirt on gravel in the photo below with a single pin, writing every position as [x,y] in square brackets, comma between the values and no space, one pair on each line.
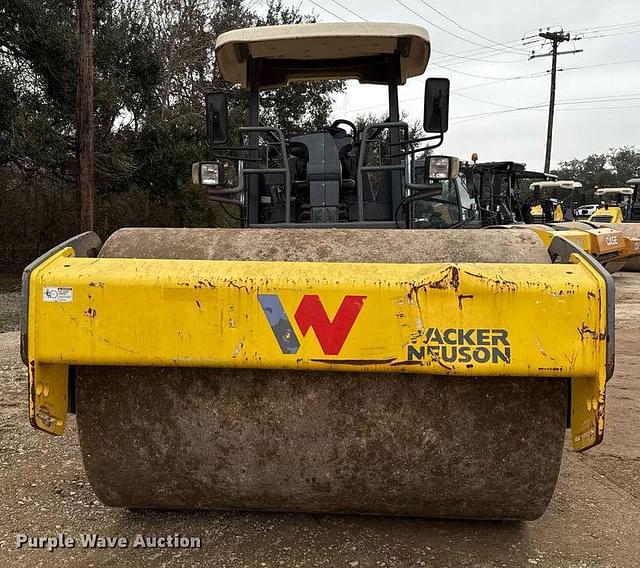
[593,520]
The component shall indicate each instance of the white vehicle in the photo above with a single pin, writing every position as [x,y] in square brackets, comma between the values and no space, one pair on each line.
[585,211]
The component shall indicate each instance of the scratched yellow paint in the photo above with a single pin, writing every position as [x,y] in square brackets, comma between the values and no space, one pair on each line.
[207,314]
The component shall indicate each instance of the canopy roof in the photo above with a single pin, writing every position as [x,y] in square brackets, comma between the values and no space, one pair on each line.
[614,190]
[557,184]
[341,50]
[633,181]
[508,166]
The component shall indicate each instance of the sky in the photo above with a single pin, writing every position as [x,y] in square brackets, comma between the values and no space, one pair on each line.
[479,47]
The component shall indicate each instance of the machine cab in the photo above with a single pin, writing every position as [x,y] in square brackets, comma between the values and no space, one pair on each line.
[450,202]
[336,175]
[552,200]
[617,204]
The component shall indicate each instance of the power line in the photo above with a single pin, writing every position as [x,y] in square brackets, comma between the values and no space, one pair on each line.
[481,49]
[350,11]
[588,100]
[471,74]
[326,10]
[608,64]
[598,108]
[583,100]
[447,31]
[446,55]
[604,98]
[482,101]
[456,92]
[467,29]
[477,52]
[477,85]
[599,34]
[618,25]
[625,97]
[471,118]
[612,30]
[540,106]
[606,28]
[616,34]
[497,62]
[507,79]
[543,73]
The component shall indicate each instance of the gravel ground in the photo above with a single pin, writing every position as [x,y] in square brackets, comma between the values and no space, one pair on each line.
[592,522]
[9,303]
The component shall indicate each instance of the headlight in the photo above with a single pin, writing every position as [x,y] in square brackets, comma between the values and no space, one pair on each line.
[443,167]
[207,173]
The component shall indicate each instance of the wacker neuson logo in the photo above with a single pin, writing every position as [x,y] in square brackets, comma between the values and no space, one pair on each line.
[311,314]
[459,345]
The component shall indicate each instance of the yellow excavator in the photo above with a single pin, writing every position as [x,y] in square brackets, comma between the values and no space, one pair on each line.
[341,352]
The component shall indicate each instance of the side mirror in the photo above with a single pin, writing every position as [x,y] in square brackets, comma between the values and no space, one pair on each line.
[436,105]
[217,114]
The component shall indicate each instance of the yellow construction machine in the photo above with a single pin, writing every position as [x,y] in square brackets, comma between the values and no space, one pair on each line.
[608,243]
[616,204]
[552,200]
[554,209]
[498,188]
[608,246]
[337,353]
[620,210]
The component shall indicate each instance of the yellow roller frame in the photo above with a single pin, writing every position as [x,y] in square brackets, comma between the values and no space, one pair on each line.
[603,243]
[612,214]
[479,320]
[547,234]
[537,213]
[631,247]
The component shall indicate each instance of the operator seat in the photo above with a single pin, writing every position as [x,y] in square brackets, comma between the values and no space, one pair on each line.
[344,142]
[318,162]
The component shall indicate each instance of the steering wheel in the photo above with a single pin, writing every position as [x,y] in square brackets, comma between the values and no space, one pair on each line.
[336,123]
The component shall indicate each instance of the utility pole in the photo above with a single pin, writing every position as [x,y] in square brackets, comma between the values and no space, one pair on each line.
[85,125]
[555,38]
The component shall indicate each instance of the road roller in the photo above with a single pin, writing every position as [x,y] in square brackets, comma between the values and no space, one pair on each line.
[610,247]
[350,347]
[620,209]
[497,187]
[618,204]
[552,200]
[610,243]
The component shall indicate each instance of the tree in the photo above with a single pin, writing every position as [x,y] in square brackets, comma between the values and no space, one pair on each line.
[611,169]
[154,59]
[625,162]
[301,106]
